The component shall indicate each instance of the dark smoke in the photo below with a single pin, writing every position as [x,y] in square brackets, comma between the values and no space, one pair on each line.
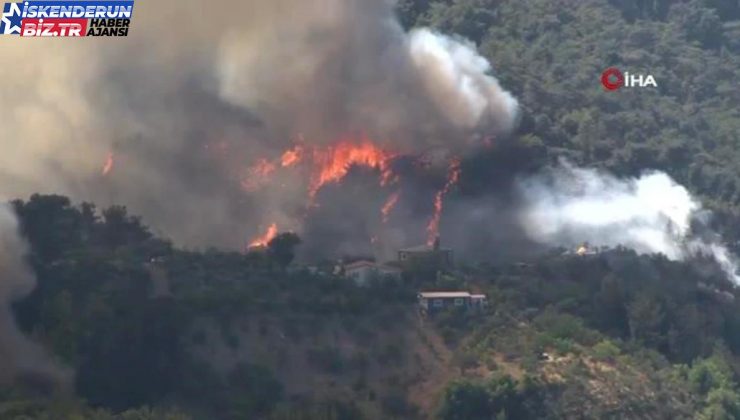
[186,108]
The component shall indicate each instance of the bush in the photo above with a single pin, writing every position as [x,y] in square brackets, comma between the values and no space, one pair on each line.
[564,326]
[501,397]
[606,350]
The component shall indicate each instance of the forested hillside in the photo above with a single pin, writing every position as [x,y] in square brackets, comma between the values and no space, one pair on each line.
[552,52]
[155,331]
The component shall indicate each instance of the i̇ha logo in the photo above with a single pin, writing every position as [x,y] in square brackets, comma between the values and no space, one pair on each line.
[613,79]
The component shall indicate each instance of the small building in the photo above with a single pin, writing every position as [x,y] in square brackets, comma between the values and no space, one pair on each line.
[441,258]
[478,301]
[433,302]
[362,272]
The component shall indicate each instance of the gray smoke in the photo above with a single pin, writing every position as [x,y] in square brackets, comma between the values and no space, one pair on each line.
[650,214]
[196,95]
[20,358]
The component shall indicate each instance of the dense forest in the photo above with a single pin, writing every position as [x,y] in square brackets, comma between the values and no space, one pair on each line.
[551,54]
[154,331]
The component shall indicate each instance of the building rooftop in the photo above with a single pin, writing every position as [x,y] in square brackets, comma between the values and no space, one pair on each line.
[359,264]
[437,295]
[365,263]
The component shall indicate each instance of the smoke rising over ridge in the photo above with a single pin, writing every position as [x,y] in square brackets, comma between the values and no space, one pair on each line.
[650,214]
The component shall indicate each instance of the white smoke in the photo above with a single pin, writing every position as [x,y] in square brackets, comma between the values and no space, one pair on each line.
[346,65]
[458,80]
[650,214]
[19,357]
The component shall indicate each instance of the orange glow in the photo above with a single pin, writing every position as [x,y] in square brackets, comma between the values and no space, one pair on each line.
[333,163]
[108,166]
[264,240]
[453,176]
[325,164]
[263,168]
[389,205]
[292,156]
[258,175]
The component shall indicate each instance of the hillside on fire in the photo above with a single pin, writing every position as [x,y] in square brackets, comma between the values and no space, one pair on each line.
[374,209]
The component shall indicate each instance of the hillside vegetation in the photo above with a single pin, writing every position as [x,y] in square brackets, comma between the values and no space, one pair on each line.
[153,331]
[551,54]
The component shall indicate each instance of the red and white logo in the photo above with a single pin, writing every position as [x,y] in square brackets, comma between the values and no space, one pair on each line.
[613,79]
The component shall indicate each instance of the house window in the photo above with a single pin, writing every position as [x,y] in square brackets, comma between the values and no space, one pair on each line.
[438,303]
[459,302]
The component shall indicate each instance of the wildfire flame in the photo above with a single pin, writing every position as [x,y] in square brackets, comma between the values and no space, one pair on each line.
[328,164]
[258,175]
[389,205]
[264,240]
[108,166]
[333,163]
[292,157]
[453,176]
[324,165]
[582,250]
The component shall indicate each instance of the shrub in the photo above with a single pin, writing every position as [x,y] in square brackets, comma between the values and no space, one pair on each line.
[606,350]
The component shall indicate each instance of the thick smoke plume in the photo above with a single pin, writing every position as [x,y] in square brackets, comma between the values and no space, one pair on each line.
[20,359]
[650,214]
[189,126]
[168,120]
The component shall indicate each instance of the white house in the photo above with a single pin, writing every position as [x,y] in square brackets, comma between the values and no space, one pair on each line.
[363,271]
[433,302]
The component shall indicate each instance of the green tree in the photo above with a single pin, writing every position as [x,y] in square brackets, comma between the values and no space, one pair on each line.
[464,400]
[282,248]
[646,320]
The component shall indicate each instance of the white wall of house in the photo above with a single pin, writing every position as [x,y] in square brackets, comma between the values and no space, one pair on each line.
[366,273]
[362,275]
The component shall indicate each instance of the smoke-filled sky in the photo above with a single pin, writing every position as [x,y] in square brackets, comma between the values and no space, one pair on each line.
[195,95]
[196,98]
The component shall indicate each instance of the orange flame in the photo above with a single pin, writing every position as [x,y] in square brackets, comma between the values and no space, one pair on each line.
[453,176]
[333,164]
[327,164]
[258,175]
[264,240]
[108,166]
[292,156]
[389,205]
